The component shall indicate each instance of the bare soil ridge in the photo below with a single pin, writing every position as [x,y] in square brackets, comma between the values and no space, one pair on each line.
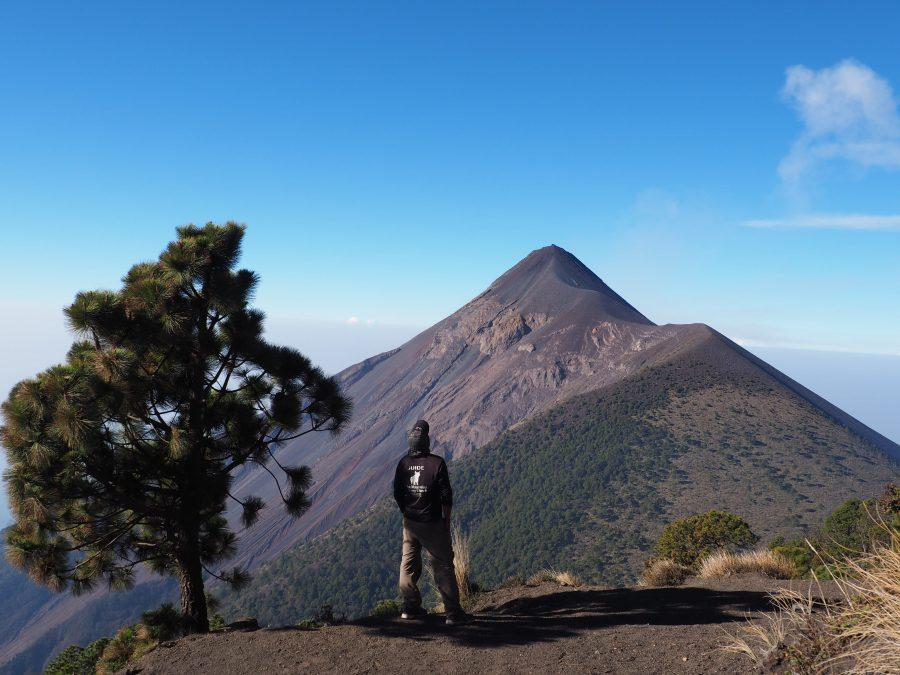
[541,629]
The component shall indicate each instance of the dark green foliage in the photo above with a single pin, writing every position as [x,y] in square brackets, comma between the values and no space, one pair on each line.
[164,622]
[847,530]
[386,609]
[129,643]
[76,660]
[124,455]
[587,445]
[850,529]
[351,568]
[686,541]
[888,505]
[583,487]
[797,551]
[97,619]
[854,526]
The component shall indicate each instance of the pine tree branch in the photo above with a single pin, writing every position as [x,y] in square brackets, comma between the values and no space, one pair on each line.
[118,532]
[225,362]
[275,478]
[236,499]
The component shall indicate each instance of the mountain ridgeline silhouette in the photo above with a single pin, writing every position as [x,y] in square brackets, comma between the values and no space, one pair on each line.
[547,351]
[546,330]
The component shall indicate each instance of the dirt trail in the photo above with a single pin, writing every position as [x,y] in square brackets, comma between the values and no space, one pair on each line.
[542,629]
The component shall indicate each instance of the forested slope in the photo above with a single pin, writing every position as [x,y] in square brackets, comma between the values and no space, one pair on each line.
[588,485]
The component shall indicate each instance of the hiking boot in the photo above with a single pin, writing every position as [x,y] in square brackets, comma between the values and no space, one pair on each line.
[458,619]
[413,613]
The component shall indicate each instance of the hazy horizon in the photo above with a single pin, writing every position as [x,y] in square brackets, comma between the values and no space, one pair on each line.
[711,162]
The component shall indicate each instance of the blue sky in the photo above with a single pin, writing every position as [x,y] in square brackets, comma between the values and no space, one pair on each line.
[735,164]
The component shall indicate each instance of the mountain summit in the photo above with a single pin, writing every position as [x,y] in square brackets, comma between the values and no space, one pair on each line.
[552,280]
[546,330]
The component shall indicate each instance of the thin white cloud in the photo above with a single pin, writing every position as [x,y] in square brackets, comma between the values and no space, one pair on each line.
[831,221]
[750,343]
[849,114]
[353,320]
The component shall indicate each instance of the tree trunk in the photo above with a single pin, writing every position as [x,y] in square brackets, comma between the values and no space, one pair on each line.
[193,597]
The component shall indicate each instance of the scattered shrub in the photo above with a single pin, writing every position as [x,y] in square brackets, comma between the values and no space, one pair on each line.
[75,660]
[129,644]
[859,634]
[163,623]
[766,563]
[846,530]
[664,572]
[557,576]
[513,581]
[687,540]
[850,530]
[326,616]
[386,609]
[857,525]
[797,551]
[539,577]
[216,622]
[568,579]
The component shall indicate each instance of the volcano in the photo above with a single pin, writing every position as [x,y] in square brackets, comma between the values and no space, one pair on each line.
[545,331]
[529,361]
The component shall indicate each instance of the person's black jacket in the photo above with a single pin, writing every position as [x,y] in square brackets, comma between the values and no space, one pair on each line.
[422,486]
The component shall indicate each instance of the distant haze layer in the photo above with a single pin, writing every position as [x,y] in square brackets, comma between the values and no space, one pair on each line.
[864,385]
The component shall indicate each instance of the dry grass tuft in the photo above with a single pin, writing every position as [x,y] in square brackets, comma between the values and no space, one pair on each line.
[761,640]
[869,626]
[462,565]
[664,572]
[468,590]
[858,634]
[549,574]
[766,563]
[513,581]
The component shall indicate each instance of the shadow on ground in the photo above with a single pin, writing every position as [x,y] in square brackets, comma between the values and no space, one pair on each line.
[565,614]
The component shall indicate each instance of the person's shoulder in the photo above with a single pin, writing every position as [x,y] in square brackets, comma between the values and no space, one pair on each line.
[437,459]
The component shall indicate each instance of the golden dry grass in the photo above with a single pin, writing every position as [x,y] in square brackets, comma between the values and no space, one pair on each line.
[869,626]
[560,577]
[763,562]
[462,570]
[858,634]
[462,564]
[664,572]
[761,639]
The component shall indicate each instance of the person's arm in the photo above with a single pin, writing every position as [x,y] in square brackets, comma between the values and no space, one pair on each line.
[445,492]
[445,514]
[398,488]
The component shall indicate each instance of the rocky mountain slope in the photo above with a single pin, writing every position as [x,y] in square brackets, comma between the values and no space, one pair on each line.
[546,331]
[588,485]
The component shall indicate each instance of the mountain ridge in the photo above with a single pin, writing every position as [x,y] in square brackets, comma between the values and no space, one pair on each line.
[587,485]
[545,331]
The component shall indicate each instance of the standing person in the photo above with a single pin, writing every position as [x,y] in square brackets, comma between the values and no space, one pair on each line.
[422,491]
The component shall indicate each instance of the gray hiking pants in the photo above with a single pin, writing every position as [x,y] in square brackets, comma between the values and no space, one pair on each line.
[435,538]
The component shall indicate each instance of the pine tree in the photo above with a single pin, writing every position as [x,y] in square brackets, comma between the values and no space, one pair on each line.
[125,454]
